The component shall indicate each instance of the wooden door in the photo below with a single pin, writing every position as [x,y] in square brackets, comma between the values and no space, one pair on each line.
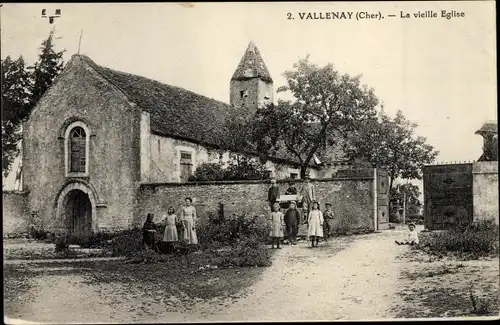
[447,195]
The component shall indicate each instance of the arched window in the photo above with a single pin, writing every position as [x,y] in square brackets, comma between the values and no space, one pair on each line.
[76,149]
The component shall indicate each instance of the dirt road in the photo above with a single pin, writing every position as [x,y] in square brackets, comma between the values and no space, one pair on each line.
[357,283]
[349,279]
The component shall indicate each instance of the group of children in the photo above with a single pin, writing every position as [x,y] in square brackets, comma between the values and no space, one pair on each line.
[171,221]
[319,224]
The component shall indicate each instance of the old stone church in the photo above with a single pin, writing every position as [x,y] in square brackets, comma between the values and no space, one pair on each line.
[97,134]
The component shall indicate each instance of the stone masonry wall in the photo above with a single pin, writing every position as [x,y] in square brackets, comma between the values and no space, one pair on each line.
[15,212]
[485,190]
[352,199]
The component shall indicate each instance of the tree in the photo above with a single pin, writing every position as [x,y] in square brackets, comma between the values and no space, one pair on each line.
[50,63]
[327,104]
[391,144]
[411,193]
[22,87]
[16,92]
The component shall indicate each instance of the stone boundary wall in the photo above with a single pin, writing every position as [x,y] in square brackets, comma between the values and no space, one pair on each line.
[352,198]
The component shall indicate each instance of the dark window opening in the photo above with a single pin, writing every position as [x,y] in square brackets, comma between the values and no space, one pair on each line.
[77,150]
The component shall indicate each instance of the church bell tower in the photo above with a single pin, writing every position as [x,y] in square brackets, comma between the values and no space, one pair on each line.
[251,86]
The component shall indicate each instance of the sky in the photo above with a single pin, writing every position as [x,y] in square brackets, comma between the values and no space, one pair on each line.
[440,72]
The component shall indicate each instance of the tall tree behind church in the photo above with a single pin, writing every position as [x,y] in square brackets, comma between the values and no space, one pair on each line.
[327,106]
[22,87]
[392,144]
[50,63]
[16,98]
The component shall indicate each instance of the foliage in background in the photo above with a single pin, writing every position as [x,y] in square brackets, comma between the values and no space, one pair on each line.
[469,240]
[49,65]
[327,105]
[413,204]
[239,168]
[392,144]
[16,86]
[22,87]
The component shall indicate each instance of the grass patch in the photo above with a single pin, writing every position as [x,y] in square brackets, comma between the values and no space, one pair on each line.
[451,287]
[471,241]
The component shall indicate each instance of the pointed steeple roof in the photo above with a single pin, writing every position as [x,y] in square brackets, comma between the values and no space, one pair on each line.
[252,66]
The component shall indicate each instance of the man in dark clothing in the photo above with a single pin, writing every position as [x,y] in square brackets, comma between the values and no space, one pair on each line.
[292,190]
[273,193]
[292,220]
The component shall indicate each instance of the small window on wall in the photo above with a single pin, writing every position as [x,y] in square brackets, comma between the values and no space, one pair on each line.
[243,93]
[294,175]
[267,174]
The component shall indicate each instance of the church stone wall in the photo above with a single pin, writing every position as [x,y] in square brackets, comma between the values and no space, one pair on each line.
[352,199]
[80,93]
[163,165]
[15,212]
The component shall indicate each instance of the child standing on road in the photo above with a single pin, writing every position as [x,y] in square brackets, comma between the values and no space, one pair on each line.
[412,238]
[315,224]
[277,224]
[170,235]
[328,223]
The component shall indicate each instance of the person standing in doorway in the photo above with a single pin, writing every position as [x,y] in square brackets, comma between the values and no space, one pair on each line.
[277,224]
[189,219]
[292,221]
[315,224]
[273,194]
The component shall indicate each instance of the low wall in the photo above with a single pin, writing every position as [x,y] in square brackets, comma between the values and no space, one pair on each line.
[485,190]
[352,199]
[15,212]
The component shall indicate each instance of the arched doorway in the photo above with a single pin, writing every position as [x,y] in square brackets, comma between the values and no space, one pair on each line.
[78,213]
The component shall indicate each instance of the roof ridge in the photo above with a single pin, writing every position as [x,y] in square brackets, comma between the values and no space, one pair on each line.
[92,62]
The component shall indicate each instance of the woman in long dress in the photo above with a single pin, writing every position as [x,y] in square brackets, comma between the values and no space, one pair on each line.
[170,235]
[277,224]
[189,218]
[315,222]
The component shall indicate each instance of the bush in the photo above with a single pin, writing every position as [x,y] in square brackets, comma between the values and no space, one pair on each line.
[242,169]
[126,243]
[61,244]
[93,240]
[218,231]
[38,233]
[208,172]
[474,240]
[248,251]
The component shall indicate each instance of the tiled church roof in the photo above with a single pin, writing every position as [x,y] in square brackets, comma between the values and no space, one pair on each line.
[252,66]
[181,113]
